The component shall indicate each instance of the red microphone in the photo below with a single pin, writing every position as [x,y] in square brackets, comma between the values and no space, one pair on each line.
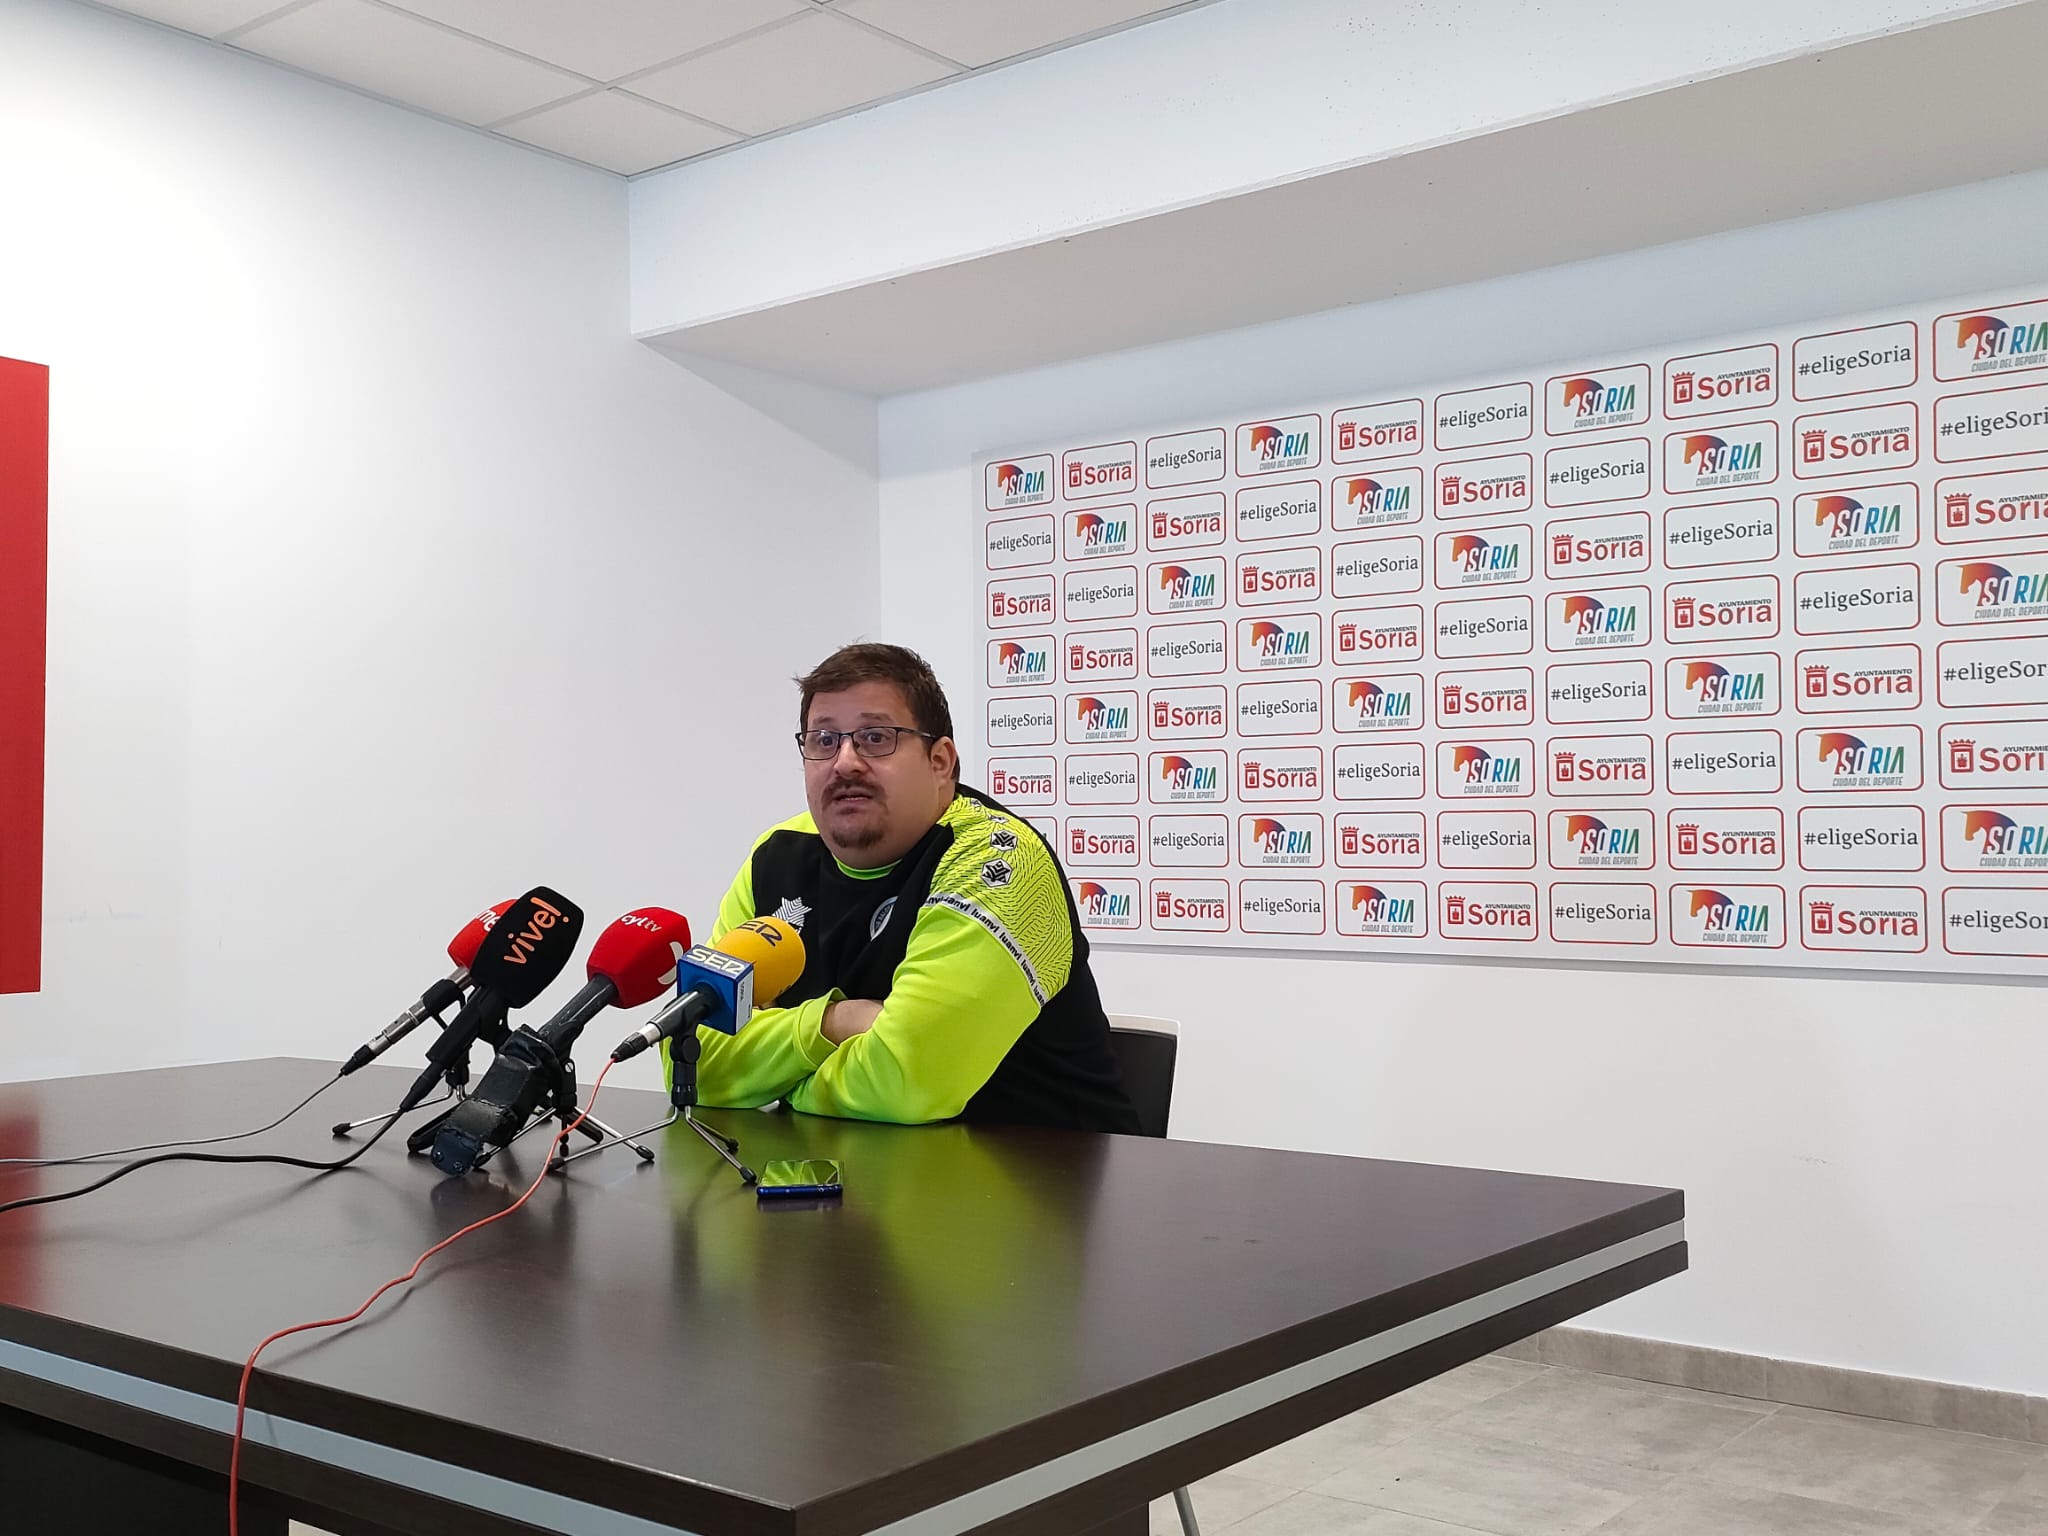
[442,995]
[632,962]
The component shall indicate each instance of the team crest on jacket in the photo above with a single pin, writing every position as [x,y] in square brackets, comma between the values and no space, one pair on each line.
[996,872]
[1003,840]
[793,912]
[881,918]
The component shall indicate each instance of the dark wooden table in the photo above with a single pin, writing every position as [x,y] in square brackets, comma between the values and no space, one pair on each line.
[1005,1331]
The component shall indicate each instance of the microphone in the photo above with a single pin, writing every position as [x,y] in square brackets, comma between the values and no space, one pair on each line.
[755,963]
[521,955]
[633,962]
[437,999]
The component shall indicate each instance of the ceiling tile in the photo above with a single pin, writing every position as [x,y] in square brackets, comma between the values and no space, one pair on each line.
[792,74]
[407,60]
[209,18]
[605,39]
[618,132]
[978,32]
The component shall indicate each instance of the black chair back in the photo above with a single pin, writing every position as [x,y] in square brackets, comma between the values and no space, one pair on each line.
[1146,1058]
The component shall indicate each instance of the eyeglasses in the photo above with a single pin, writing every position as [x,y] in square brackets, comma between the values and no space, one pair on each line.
[868,741]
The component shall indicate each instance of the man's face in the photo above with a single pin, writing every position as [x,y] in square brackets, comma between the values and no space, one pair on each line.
[872,810]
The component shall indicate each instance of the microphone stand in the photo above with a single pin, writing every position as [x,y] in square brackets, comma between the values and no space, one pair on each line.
[455,1073]
[683,1049]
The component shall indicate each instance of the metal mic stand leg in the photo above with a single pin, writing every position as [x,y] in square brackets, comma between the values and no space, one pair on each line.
[683,1052]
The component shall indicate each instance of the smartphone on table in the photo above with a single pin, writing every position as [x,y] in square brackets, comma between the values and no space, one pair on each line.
[799,1178]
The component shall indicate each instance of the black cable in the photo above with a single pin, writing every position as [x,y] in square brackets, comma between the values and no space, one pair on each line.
[201,1157]
[153,1146]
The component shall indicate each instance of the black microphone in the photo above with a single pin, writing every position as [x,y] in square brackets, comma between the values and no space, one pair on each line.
[523,953]
[633,962]
[438,998]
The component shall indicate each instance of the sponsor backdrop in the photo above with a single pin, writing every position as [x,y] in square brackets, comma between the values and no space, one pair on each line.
[1737,652]
[24,507]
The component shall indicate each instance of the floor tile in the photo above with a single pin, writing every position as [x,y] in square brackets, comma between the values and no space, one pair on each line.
[2022,1512]
[1946,1481]
[1496,1486]
[1694,1507]
[1488,1376]
[1308,1459]
[1310,1514]
[1600,1416]
[1220,1502]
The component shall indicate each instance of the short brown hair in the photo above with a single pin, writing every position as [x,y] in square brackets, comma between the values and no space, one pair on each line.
[872,662]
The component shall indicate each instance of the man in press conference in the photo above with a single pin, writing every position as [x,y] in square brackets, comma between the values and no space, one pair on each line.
[945,970]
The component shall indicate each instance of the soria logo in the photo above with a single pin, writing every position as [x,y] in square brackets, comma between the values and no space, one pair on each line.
[1186,522]
[1280,576]
[1738,608]
[1102,841]
[1600,765]
[1475,769]
[1592,402]
[1107,653]
[1498,557]
[1741,838]
[1866,517]
[1267,645]
[1387,909]
[1995,839]
[1870,757]
[1495,696]
[1703,687]
[1707,382]
[1388,430]
[1379,634]
[2007,339]
[1734,916]
[1744,454]
[1267,842]
[1020,600]
[1185,586]
[1280,773]
[1022,780]
[1614,616]
[1380,839]
[1606,839]
[1598,546]
[1186,776]
[1481,487]
[1102,531]
[1882,918]
[1107,903]
[1267,447]
[1019,483]
[1182,713]
[1191,906]
[1995,754]
[1487,911]
[2010,588]
[1015,663]
[1876,437]
[1377,500]
[1102,471]
[1382,704]
[2012,504]
[1860,678]
[1109,718]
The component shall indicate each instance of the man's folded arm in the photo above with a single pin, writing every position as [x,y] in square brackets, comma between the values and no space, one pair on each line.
[775,1049]
[979,967]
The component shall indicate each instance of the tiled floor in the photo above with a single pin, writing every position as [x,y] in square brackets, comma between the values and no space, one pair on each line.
[1508,1448]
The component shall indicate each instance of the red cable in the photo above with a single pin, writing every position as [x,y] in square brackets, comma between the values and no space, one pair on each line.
[249,1368]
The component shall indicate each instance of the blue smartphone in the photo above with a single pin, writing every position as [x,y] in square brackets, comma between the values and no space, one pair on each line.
[799,1178]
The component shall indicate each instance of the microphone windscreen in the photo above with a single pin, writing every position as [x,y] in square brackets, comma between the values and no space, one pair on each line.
[527,948]
[638,954]
[775,951]
[463,947]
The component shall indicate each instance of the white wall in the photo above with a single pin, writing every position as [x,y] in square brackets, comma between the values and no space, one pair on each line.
[1862,1157]
[388,575]
[1202,105]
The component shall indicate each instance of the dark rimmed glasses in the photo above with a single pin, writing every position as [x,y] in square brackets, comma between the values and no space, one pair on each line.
[868,741]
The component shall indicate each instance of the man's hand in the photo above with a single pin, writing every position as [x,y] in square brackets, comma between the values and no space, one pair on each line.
[848,1017]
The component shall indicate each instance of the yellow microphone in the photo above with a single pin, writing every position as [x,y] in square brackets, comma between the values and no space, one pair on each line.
[722,984]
